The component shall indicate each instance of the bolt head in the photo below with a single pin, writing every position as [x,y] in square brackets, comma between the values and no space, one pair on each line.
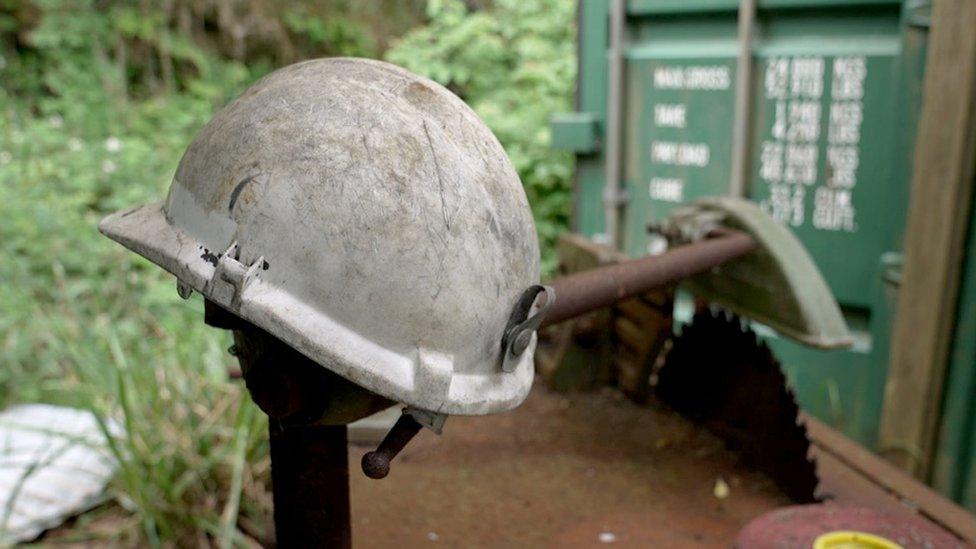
[521,342]
[376,465]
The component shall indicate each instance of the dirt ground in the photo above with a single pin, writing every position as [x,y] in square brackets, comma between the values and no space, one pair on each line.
[575,470]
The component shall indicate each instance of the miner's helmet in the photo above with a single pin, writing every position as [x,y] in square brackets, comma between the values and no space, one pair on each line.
[366,217]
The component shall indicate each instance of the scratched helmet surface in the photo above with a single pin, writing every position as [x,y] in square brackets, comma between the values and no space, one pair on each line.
[365,216]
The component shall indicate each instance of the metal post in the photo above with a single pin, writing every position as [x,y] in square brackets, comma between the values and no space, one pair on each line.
[743,84]
[310,478]
[612,195]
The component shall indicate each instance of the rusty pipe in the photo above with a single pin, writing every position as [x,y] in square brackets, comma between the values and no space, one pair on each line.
[587,291]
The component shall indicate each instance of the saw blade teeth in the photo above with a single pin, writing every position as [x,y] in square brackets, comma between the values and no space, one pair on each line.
[719,373]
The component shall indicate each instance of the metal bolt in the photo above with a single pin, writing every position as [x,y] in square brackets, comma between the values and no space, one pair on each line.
[376,464]
[521,342]
[183,289]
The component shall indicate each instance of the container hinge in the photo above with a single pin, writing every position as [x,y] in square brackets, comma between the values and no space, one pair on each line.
[615,196]
[892,264]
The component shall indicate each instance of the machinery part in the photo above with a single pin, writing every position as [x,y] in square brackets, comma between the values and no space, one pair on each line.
[376,464]
[578,353]
[719,374]
[366,217]
[586,291]
[779,285]
[839,526]
[617,345]
[641,327]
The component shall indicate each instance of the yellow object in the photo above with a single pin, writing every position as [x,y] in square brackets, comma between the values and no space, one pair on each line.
[849,539]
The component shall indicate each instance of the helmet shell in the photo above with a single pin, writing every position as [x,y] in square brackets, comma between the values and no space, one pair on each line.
[365,216]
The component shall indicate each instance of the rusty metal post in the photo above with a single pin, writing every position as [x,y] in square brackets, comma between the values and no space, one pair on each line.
[309,461]
[580,293]
[310,479]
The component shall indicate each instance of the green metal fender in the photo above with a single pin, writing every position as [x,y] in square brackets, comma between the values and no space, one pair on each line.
[777,285]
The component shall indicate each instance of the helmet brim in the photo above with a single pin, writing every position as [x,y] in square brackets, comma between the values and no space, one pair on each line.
[424,379]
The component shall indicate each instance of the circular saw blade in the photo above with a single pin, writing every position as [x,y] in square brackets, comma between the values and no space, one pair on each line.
[719,374]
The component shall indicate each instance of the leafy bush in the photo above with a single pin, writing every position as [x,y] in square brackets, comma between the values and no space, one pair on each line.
[515,64]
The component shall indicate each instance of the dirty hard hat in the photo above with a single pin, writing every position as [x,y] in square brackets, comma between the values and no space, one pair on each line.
[368,218]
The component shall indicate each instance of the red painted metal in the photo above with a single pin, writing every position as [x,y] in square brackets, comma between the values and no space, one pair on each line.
[798,526]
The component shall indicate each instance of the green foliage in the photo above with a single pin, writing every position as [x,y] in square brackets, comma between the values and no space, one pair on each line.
[87,324]
[322,32]
[514,63]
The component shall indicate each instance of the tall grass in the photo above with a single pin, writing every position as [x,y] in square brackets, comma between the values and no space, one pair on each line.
[87,324]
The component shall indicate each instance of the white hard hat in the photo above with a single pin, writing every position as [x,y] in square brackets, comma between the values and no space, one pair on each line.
[368,218]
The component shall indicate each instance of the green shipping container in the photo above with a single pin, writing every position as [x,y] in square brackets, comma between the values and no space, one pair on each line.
[954,469]
[833,98]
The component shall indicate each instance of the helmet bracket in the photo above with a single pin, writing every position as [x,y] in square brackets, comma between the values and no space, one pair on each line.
[231,277]
[523,323]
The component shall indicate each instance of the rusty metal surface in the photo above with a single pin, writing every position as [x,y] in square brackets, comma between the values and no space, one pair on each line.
[616,345]
[586,291]
[565,468]
[578,354]
[558,472]
[864,478]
